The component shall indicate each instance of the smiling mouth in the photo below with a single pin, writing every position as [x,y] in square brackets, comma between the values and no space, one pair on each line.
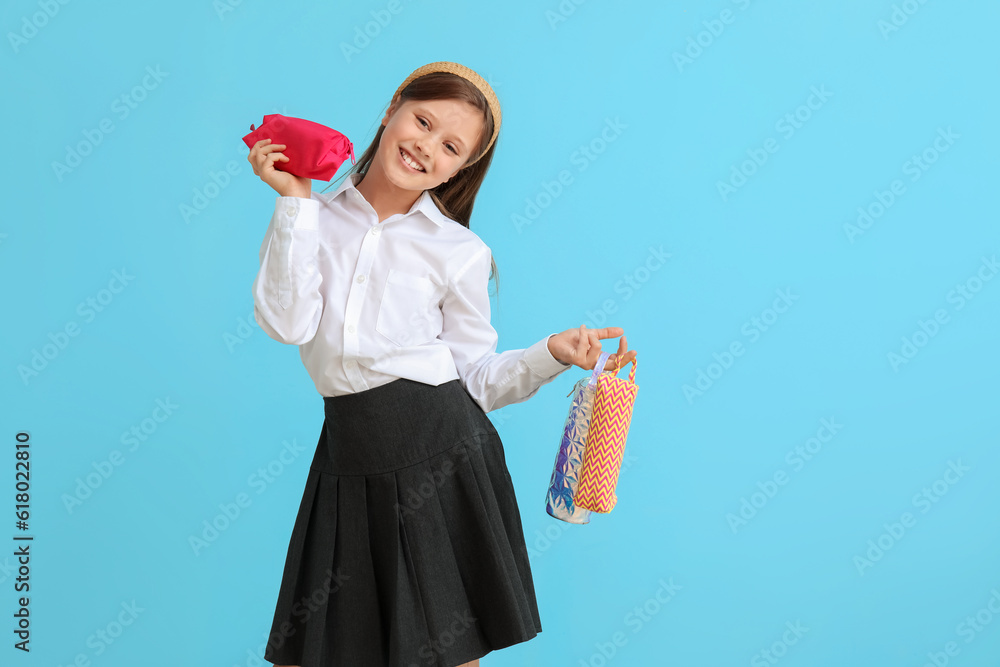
[410,162]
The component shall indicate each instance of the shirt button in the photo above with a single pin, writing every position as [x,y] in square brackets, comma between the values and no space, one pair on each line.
[361,278]
[375,231]
[292,212]
[350,328]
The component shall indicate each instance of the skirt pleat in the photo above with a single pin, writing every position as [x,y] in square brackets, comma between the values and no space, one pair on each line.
[407,549]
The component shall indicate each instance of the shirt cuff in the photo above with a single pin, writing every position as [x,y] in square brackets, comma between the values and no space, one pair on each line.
[296,213]
[540,360]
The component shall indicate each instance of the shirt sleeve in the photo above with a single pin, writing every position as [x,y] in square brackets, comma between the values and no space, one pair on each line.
[286,292]
[493,380]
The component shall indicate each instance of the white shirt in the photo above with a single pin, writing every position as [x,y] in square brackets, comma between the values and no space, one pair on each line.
[369,302]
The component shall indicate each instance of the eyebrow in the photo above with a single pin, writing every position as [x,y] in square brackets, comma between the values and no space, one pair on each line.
[457,139]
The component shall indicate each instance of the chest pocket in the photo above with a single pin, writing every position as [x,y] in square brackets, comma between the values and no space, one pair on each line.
[408,313]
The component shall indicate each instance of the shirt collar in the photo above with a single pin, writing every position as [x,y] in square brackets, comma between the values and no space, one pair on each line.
[424,203]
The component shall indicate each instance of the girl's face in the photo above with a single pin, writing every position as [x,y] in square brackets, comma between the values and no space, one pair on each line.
[426,142]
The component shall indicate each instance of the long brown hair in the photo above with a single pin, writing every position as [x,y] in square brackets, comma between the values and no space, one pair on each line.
[456,196]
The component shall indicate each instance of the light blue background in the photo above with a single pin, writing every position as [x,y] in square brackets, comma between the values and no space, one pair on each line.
[656,185]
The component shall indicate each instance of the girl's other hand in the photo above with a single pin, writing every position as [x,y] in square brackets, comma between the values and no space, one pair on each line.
[581,347]
[262,157]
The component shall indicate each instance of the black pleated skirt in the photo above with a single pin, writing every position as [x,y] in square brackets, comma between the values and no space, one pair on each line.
[407,549]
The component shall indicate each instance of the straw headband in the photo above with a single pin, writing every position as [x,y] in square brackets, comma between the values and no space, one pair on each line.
[469,75]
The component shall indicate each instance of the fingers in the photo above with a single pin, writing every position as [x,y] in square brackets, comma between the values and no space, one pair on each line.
[585,347]
[618,358]
[609,332]
[255,151]
[626,356]
[595,348]
[263,151]
[588,348]
[581,346]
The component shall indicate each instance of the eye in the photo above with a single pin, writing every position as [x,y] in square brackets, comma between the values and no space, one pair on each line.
[451,147]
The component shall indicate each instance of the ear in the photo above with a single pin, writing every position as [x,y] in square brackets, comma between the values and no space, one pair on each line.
[388,112]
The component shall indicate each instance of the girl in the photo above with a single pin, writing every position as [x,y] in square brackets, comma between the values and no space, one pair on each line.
[407,548]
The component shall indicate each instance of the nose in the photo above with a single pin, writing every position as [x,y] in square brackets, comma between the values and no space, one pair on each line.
[419,147]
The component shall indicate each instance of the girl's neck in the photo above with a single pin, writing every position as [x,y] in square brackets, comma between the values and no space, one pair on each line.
[386,198]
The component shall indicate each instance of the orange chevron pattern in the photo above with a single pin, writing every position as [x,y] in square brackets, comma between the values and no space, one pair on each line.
[602,458]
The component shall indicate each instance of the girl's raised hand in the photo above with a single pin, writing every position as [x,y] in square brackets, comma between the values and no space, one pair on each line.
[581,347]
[262,157]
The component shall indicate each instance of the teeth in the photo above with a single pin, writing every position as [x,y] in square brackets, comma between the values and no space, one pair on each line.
[409,161]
